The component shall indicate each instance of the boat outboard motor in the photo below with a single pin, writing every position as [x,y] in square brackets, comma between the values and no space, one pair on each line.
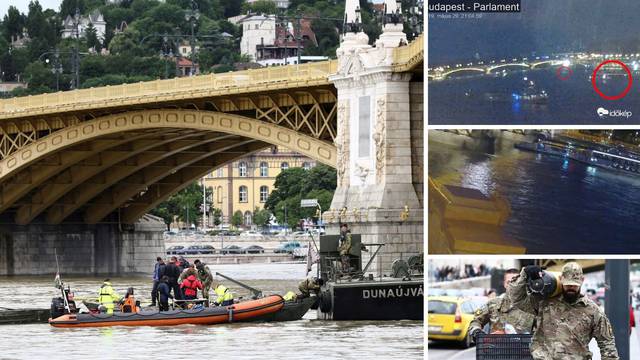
[548,286]
[57,307]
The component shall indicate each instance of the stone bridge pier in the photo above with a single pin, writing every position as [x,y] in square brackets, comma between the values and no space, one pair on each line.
[380,145]
[82,249]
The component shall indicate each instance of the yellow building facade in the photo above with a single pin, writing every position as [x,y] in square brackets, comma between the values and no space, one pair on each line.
[246,184]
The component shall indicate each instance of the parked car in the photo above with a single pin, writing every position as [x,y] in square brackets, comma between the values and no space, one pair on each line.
[300,253]
[173,250]
[253,249]
[231,249]
[191,250]
[207,249]
[251,235]
[287,247]
[449,318]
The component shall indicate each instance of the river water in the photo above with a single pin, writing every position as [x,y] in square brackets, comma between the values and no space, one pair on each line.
[573,101]
[308,338]
[558,206]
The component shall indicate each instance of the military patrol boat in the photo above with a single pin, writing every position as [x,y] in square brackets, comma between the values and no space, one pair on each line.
[350,295]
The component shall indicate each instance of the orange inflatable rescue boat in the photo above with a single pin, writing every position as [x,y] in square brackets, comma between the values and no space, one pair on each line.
[243,311]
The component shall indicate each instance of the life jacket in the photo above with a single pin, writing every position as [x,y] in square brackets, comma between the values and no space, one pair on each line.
[191,286]
[289,296]
[129,305]
[223,294]
[107,296]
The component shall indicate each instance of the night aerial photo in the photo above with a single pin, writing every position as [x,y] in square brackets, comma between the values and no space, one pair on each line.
[534,191]
[553,62]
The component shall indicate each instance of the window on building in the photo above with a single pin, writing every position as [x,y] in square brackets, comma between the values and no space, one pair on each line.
[256,26]
[248,218]
[243,195]
[364,131]
[219,194]
[264,193]
[306,165]
[284,166]
[264,169]
[242,169]
[220,172]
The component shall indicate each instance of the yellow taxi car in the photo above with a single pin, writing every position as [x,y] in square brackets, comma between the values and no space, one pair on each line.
[449,318]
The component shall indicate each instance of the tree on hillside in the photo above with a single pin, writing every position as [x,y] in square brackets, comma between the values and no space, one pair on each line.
[266,7]
[231,7]
[13,23]
[92,38]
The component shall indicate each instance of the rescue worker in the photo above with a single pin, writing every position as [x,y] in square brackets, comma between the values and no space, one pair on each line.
[173,273]
[164,292]
[205,277]
[129,304]
[500,312]
[190,287]
[107,297]
[158,272]
[306,286]
[225,297]
[344,247]
[565,323]
[183,263]
[190,270]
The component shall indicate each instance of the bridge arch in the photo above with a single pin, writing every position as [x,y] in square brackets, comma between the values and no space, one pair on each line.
[448,73]
[492,68]
[219,138]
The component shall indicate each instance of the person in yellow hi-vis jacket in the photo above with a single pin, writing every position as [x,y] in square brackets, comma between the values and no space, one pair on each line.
[225,297]
[107,297]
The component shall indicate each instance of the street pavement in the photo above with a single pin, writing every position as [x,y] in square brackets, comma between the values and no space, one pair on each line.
[449,351]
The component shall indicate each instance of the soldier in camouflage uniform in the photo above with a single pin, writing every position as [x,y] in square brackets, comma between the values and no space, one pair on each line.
[307,286]
[205,276]
[565,323]
[499,312]
[344,247]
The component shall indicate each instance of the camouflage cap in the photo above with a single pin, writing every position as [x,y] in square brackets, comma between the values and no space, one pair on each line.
[572,274]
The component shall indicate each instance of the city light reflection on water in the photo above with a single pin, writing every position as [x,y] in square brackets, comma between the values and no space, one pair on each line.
[557,204]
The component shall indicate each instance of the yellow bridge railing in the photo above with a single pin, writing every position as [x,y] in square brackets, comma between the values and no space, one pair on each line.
[310,74]
[410,54]
[247,80]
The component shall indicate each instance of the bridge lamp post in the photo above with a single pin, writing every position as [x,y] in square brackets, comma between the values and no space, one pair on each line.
[192,17]
[56,67]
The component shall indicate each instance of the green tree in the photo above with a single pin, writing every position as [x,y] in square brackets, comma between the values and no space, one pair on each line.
[35,21]
[91,36]
[231,7]
[13,23]
[295,184]
[37,74]
[261,217]
[185,205]
[266,7]
[236,219]
[217,217]
[68,7]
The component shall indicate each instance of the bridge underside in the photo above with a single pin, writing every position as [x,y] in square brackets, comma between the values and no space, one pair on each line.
[116,168]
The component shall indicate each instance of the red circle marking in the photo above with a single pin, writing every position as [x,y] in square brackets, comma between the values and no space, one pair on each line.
[623,93]
[560,69]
